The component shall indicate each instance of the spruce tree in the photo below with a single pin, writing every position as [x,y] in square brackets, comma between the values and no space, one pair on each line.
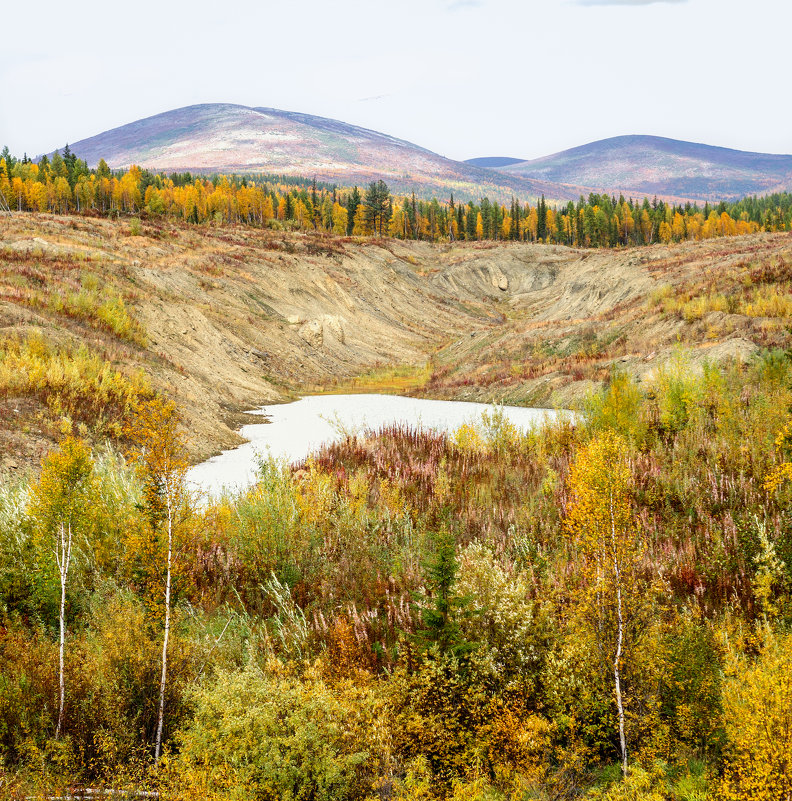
[439,606]
[377,205]
[541,220]
[353,201]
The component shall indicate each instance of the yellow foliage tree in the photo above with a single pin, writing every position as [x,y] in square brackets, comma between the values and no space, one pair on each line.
[758,716]
[161,465]
[59,502]
[600,520]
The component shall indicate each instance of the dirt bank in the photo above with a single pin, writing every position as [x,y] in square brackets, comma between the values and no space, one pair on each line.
[236,318]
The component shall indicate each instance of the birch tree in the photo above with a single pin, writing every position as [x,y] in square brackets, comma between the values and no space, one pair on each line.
[60,500]
[601,523]
[161,466]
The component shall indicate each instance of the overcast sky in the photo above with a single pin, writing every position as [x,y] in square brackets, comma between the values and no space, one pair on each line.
[464,78]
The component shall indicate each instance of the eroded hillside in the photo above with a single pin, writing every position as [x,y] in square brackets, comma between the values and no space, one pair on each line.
[224,319]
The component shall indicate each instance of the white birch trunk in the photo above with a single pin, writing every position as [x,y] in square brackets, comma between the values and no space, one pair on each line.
[619,639]
[163,677]
[63,558]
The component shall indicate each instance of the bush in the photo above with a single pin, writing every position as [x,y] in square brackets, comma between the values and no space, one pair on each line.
[275,735]
[501,616]
[76,383]
[758,711]
[619,408]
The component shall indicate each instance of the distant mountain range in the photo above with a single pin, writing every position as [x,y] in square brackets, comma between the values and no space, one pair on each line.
[653,165]
[223,137]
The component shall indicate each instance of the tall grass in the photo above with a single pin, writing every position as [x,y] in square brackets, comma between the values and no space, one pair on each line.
[53,284]
[71,382]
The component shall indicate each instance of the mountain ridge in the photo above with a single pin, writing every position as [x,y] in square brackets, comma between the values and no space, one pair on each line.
[226,137]
[233,138]
[645,165]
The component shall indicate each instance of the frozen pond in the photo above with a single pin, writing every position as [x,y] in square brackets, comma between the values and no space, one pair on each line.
[297,429]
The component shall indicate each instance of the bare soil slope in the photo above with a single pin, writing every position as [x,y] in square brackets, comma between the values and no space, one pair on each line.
[234,318]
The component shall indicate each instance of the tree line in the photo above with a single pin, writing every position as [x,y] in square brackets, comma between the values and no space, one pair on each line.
[65,184]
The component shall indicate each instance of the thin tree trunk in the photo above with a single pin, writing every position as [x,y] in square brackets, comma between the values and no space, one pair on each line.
[616,675]
[63,558]
[163,678]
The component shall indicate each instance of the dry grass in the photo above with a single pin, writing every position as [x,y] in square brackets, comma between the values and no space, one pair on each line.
[76,384]
[394,380]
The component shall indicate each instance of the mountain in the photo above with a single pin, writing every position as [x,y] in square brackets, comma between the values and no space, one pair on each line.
[653,165]
[492,162]
[222,137]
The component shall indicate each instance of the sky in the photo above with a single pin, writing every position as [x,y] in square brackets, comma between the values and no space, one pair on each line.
[465,78]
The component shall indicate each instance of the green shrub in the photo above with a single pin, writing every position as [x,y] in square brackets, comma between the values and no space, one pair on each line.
[275,735]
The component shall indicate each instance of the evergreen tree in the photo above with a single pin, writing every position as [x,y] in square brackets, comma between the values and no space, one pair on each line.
[9,159]
[353,201]
[377,206]
[541,220]
[440,608]
[470,222]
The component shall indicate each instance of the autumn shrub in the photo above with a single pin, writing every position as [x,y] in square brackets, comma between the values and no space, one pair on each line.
[697,307]
[677,391]
[577,693]
[114,313]
[451,714]
[116,664]
[266,536]
[502,617]
[619,407]
[16,551]
[439,706]
[769,301]
[112,680]
[276,734]
[75,383]
[757,711]
[28,689]
[674,703]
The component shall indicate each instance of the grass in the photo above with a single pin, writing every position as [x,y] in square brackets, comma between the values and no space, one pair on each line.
[60,285]
[393,380]
[74,383]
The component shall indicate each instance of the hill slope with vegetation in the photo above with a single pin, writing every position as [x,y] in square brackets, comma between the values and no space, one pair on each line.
[654,165]
[223,137]
[595,610]
[222,319]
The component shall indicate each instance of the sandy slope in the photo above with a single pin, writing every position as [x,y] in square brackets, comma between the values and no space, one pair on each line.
[236,318]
